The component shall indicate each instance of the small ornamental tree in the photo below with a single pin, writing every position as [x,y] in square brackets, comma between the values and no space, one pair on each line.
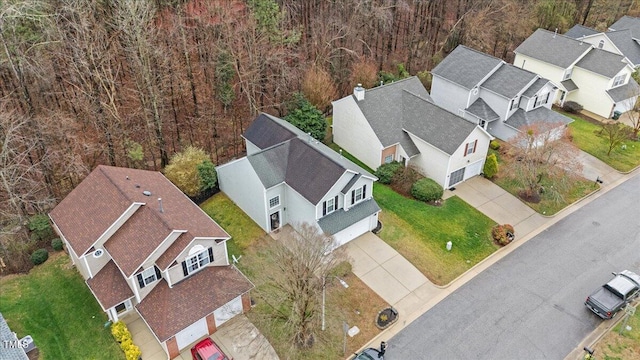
[490,166]
[40,228]
[186,169]
[306,117]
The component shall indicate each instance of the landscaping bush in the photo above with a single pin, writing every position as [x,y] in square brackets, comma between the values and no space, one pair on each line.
[503,234]
[427,190]
[123,336]
[494,145]
[572,107]
[56,244]
[39,256]
[490,166]
[40,228]
[385,172]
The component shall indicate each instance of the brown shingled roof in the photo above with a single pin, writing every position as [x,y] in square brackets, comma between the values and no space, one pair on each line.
[103,197]
[109,287]
[167,311]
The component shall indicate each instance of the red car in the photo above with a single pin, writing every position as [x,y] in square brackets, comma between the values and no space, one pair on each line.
[207,350]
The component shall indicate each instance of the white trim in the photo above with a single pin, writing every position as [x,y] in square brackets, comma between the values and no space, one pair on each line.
[84,257]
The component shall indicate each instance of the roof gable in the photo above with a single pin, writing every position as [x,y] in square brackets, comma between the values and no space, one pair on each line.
[555,49]
[509,81]
[578,31]
[466,67]
[624,41]
[433,124]
[602,62]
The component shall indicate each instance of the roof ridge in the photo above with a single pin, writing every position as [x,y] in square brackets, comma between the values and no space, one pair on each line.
[391,83]
[482,53]
[439,107]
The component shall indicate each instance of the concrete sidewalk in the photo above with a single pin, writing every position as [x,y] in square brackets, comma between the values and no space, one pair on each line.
[399,283]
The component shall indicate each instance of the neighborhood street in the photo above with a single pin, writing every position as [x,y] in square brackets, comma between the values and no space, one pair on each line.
[529,305]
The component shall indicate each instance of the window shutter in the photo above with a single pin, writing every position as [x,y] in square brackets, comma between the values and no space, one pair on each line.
[335,203]
[140,281]
[184,268]
[353,196]
[324,208]
[210,254]
[364,191]
[466,147]
[475,145]
[158,273]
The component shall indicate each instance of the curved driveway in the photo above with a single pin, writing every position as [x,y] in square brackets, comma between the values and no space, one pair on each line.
[529,305]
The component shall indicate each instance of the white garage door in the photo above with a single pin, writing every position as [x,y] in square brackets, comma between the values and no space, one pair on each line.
[226,312]
[353,231]
[473,169]
[192,333]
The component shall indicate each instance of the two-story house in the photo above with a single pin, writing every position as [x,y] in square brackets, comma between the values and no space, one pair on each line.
[143,246]
[499,97]
[288,177]
[597,79]
[399,122]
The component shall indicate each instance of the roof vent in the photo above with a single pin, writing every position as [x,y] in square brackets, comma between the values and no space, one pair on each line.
[128,177]
[160,203]
[98,253]
[146,193]
[137,186]
[555,33]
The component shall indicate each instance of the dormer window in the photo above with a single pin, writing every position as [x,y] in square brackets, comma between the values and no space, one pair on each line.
[601,44]
[619,80]
[197,261]
[148,276]
[567,74]
[358,194]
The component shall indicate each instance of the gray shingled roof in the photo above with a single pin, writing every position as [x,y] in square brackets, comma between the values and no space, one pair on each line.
[309,167]
[340,219]
[569,85]
[382,107]
[353,180]
[262,134]
[578,31]
[433,124]
[535,87]
[627,22]
[624,92]
[556,49]
[7,335]
[623,40]
[482,110]
[466,67]
[539,115]
[602,62]
[508,80]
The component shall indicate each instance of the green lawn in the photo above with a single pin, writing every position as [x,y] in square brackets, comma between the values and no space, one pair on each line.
[420,233]
[621,346]
[54,305]
[586,137]
[337,149]
[243,230]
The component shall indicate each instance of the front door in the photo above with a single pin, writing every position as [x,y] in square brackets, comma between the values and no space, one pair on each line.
[275,220]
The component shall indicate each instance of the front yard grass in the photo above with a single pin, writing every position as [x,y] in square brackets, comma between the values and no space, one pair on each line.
[420,233]
[357,305]
[53,305]
[621,346]
[586,137]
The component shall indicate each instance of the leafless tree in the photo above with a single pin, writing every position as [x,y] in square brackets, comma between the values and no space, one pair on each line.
[301,263]
[616,134]
[543,153]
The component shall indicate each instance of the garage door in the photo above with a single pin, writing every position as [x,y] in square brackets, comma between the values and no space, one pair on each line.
[624,106]
[192,333]
[226,312]
[353,231]
[473,169]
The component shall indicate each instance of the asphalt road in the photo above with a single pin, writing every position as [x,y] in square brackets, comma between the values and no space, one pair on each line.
[530,304]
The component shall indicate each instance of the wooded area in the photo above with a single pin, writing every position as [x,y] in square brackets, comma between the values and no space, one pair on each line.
[130,82]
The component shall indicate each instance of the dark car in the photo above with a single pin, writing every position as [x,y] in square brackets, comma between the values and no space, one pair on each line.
[207,350]
[369,354]
[611,297]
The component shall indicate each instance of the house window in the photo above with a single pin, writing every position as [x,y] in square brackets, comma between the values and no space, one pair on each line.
[388,159]
[482,123]
[567,74]
[358,194]
[470,148]
[148,276]
[197,261]
[329,206]
[514,103]
[274,201]
[122,307]
[541,100]
[601,44]
[619,80]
